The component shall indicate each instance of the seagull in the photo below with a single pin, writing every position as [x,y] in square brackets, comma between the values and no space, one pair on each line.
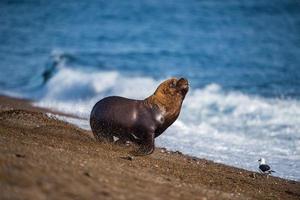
[263,167]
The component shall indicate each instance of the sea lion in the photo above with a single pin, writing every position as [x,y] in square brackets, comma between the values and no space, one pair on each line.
[139,121]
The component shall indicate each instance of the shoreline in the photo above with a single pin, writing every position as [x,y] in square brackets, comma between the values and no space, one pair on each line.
[44,157]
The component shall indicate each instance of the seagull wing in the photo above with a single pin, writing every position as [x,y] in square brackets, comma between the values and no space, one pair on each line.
[264,168]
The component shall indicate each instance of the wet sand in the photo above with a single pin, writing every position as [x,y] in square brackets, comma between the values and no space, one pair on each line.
[44,158]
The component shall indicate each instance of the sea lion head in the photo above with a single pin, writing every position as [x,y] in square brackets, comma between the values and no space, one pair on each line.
[170,94]
[168,97]
[173,88]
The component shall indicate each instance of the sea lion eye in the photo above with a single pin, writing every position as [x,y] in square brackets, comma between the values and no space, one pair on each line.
[172,84]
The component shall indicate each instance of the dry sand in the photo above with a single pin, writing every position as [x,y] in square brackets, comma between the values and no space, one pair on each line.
[44,158]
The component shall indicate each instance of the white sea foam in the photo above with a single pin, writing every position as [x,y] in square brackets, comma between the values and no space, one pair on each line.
[227,127]
[81,123]
[74,91]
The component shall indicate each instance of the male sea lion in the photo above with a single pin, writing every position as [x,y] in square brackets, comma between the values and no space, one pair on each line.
[139,121]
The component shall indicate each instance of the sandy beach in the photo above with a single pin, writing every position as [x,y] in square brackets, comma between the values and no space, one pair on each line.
[44,158]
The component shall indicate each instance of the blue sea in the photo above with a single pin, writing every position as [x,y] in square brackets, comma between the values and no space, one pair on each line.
[242,59]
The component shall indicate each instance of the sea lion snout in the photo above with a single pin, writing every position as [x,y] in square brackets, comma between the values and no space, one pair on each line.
[183,85]
[183,82]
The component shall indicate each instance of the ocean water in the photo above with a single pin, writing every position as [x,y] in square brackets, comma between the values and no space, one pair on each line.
[242,59]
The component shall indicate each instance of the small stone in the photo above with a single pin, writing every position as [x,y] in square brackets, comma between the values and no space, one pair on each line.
[87,174]
[20,155]
[178,152]
[252,175]
[127,158]
[194,158]
[163,150]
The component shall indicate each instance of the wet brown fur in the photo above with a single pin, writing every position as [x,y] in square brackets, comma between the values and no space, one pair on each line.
[169,101]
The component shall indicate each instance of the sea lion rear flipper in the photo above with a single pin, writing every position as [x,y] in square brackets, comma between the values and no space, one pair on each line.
[146,147]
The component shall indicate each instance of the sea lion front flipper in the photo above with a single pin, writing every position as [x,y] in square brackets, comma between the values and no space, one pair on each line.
[104,138]
[146,147]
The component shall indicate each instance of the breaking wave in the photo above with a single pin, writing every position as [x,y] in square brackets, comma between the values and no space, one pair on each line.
[227,127]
